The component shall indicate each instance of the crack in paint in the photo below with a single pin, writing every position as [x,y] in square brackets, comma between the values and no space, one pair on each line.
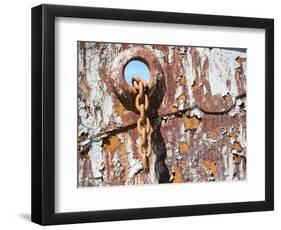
[114,131]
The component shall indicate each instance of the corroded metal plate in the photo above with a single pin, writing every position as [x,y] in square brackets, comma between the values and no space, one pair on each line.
[197,110]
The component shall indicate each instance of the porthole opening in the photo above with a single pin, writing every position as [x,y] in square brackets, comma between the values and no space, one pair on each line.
[136,68]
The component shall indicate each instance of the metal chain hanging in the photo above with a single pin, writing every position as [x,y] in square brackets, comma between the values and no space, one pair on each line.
[143,123]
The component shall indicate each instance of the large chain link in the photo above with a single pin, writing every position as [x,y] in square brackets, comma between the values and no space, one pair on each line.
[143,123]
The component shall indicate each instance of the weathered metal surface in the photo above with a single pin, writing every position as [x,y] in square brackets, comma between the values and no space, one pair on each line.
[197,111]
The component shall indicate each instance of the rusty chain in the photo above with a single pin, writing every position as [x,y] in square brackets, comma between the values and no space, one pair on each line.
[143,124]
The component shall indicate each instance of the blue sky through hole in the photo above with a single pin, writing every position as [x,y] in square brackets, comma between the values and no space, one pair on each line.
[136,68]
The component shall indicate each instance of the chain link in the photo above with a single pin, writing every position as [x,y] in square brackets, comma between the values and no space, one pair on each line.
[143,123]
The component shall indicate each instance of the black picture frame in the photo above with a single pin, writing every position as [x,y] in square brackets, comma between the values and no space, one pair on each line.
[43,114]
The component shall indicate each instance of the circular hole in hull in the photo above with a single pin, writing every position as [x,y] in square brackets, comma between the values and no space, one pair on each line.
[136,68]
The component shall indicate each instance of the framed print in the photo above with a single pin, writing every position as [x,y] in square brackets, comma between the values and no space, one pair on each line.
[143,114]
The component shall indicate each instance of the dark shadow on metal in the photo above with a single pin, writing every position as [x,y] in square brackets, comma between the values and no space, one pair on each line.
[157,140]
[159,149]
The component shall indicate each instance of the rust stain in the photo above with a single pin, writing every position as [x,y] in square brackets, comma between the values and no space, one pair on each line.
[182,98]
[119,108]
[111,144]
[237,158]
[227,98]
[237,146]
[191,122]
[241,60]
[182,80]
[178,175]
[212,166]
[86,89]
[232,135]
[195,85]
[174,109]
[183,147]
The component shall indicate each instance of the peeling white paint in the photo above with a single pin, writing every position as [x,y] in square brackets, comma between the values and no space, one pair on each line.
[222,67]
[204,91]
[179,92]
[107,53]
[87,120]
[242,136]
[100,99]
[152,175]
[135,165]
[178,156]
[236,110]
[159,54]
[97,159]
[81,172]
[190,77]
[117,165]
[225,154]
[196,112]
[171,54]
[117,120]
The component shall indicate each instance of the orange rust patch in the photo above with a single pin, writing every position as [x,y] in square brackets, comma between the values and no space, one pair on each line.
[178,175]
[195,84]
[232,134]
[119,108]
[236,146]
[174,109]
[181,98]
[111,144]
[227,98]
[183,146]
[191,122]
[182,80]
[241,60]
[237,158]
[210,165]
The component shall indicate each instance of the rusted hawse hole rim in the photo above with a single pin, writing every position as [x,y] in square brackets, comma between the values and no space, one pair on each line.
[124,90]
